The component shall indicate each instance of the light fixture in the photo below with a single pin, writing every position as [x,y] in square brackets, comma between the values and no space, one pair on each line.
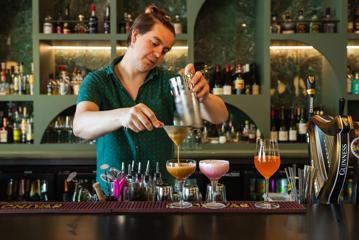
[352,47]
[103,48]
[80,47]
[291,47]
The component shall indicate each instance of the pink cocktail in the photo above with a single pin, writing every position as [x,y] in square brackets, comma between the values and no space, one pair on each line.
[214,170]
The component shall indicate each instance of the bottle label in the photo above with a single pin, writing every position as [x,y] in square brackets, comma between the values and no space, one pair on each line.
[178,28]
[283,136]
[293,135]
[274,135]
[302,128]
[217,91]
[3,136]
[227,90]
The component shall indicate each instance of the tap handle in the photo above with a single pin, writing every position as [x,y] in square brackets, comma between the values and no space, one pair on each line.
[341,106]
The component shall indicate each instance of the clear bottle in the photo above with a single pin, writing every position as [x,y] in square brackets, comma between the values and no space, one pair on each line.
[48,27]
[315,25]
[239,81]
[227,87]
[302,126]
[177,24]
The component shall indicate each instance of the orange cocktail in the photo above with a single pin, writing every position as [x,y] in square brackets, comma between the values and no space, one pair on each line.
[181,171]
[267,166]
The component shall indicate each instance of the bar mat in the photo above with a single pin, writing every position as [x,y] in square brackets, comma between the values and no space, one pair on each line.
[231,207]
[140,207]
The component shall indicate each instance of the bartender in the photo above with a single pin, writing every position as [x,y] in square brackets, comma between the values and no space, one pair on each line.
[125,105]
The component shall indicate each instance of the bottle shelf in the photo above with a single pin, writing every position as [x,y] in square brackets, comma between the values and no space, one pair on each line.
[17,98]
[76,36]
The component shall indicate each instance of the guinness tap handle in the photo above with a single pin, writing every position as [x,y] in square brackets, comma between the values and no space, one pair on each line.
[341,106]
[310,85]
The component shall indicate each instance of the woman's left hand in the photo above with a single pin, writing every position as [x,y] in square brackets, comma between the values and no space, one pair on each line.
[199,83]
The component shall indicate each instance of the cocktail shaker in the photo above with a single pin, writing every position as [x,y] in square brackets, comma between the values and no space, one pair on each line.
[187,104]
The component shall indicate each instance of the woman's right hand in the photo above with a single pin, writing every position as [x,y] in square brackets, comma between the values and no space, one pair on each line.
[139,118]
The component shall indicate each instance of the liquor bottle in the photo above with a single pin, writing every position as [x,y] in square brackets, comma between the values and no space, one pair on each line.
[356,21]
[177,24]
[254,78]
[128,22]
[274,127]
[80,27]
[4,131]
[227,87]
[59,22]
[65,193]
[35,190]
[252,133]
[93,21]
[302,126]
[275,26]
[9,190]
[283,130]
[44,190]
[247,79]
[349,79]
[355,84]
[239,81]
[350,25]
[293,133]
[329,26]
[315,25]
[16,133]
[288,26]
[218,86]
[106,21]
[48,27]
[21,194]
[301,25]
[157,177]
[67,21]
[245,132]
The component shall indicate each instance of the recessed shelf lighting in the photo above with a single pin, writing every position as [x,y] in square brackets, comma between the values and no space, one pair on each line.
[291,47]
[103,48]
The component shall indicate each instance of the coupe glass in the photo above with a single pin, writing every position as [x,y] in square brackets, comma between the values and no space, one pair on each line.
[267,162]
[181,169]
[214,170]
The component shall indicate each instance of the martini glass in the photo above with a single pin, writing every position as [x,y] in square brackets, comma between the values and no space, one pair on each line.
[177,135]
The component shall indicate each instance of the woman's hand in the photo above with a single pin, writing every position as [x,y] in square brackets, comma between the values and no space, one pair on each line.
[139,118]
[199,83]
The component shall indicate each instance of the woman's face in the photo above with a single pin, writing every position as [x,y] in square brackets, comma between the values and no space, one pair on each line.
[150,48]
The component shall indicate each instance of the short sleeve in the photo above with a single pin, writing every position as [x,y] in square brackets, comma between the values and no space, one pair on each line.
[90,89]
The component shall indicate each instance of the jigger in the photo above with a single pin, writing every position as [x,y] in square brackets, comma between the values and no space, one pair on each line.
[187,104]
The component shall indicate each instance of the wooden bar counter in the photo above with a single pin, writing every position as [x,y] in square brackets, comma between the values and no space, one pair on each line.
[319,222]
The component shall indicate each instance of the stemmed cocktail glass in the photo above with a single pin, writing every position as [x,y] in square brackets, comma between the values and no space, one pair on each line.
[214,170]
[181,169]
[267,162]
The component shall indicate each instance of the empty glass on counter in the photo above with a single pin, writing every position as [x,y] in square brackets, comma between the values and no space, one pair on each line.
[219,195]
[214,170]
[163,193]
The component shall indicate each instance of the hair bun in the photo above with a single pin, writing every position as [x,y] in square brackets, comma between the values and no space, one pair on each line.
[152,9]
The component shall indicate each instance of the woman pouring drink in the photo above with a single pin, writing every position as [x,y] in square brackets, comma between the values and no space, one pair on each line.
[125,105]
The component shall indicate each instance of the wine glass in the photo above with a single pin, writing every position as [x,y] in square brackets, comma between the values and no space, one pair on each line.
[181,169]
[267,162]
[214,170]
